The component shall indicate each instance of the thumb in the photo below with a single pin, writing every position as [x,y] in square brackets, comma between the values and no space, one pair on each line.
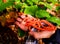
[36,35]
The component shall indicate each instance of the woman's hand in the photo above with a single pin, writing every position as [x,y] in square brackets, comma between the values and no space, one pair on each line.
[37,35]
[21,24]
[43,34]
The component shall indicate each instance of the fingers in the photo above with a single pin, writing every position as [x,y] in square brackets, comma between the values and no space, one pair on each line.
[21,26]
[21,15]
[19,19]
[44,34]
[36,35]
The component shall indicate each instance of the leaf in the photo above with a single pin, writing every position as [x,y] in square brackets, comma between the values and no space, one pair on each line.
[57,8]
[46,4]
[17,1]
[31,10]
[54,1]
[24,5]
[5,5]
[35,1]
[30,2]
[19,5]
[54,20]
[42,13]
[1,2]
[21,33]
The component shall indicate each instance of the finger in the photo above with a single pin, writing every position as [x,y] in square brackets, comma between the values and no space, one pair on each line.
[44,34]
[35,35]
[22,15]
[21,26]
[19,19]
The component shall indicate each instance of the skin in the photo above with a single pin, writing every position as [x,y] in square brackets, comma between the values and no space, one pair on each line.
[37,35]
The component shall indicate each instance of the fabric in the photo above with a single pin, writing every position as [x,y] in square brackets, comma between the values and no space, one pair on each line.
[54,39]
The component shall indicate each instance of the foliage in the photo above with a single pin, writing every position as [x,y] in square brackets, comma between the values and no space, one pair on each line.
[54,20]
[42,13]
[31,7]
[21,33]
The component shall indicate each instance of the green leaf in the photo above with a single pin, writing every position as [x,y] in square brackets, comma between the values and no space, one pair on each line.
[1,2]
[54,20]
[42,13]
[57,8]
[21,33]
[24,5]
[19,5]
[35,1]
[31,10]
[46,4]
[54,1]
[17,1]
[5,5]
[30,2]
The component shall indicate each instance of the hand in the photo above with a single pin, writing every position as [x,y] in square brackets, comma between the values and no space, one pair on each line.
[37,35]
[43,34]
[21,24]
